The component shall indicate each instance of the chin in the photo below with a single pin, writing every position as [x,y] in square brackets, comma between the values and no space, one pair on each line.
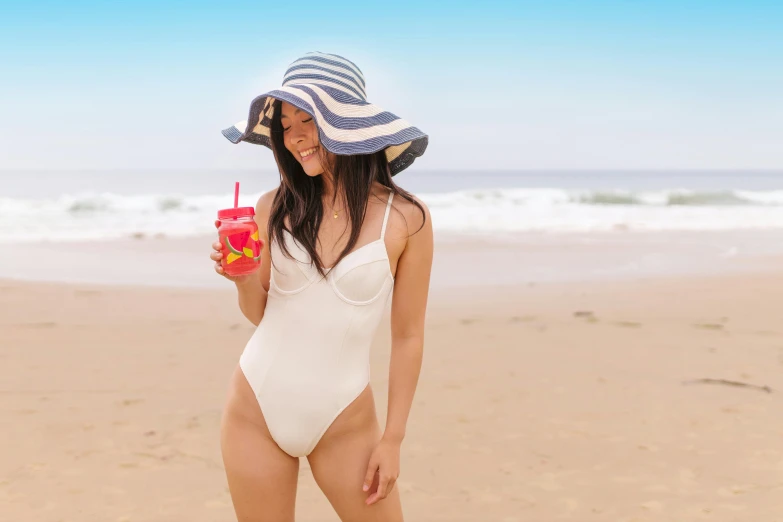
[313,174]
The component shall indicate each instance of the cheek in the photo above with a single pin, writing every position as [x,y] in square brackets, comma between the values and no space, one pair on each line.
[288,146]
[313,135]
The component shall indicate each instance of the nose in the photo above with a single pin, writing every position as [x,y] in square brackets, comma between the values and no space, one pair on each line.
[297,135]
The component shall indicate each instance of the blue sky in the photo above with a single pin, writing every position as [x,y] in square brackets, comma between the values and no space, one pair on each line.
[500,85]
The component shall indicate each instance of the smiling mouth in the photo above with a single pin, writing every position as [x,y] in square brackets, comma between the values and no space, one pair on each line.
[307,154]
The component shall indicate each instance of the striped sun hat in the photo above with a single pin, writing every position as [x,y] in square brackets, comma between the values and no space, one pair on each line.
[331,90]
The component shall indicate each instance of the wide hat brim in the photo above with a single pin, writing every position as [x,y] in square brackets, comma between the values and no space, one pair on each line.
[346,125]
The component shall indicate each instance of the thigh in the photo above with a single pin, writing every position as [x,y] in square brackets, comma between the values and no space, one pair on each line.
[261,477]
[339,463]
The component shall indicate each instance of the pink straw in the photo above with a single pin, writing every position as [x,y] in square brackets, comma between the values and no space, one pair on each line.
[236,195]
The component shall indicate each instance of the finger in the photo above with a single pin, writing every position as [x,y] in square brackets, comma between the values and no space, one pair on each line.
[371,469]
[218,268]
[216,256]
[383,487]
[217,245]
[379,493]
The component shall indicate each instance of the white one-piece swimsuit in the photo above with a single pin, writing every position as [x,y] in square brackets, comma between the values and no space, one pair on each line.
[309,358]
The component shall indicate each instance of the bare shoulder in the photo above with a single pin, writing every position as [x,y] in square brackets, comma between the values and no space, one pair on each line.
[415,214]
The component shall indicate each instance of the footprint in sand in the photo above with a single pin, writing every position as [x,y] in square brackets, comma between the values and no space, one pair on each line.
[129,402]
[708,326]
[587,315]
[628,324]
[468,320]
[42,324]
[652,505]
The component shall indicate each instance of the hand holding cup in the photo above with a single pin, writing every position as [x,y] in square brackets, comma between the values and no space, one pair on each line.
[219,256]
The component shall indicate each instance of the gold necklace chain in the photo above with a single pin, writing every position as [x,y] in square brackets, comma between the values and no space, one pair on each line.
[335,212]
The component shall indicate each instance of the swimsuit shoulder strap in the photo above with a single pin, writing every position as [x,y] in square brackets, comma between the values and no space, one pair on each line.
[386,215]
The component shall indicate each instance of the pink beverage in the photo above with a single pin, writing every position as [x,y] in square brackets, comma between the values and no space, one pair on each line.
[238,234]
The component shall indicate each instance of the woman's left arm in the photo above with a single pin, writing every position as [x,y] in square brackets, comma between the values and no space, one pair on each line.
[409,304]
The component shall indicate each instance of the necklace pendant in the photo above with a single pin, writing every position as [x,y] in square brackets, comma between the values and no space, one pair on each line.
[335,215]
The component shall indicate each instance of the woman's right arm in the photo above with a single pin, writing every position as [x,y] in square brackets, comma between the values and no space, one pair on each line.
[252,288]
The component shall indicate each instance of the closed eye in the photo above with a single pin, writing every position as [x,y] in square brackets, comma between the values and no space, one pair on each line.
[304,121]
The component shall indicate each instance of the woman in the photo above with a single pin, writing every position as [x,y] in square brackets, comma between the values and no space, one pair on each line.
[341,239]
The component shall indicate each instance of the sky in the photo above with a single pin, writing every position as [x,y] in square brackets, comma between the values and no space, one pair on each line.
[496,85]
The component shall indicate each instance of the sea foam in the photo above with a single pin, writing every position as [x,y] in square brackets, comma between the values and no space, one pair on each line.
[96,216]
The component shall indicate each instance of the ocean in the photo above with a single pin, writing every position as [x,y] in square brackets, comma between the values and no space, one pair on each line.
[97,205]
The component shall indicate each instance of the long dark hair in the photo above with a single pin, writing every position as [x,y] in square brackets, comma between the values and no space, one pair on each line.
[298,203]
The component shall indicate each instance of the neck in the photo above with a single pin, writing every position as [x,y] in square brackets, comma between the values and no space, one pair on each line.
[328,185]
[329,195]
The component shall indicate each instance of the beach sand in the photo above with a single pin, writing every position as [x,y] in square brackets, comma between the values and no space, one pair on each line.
[537,402]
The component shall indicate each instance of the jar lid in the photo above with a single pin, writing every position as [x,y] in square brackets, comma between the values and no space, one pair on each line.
[233,213]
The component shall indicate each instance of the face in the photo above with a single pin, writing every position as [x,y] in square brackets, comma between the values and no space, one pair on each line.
[301,139]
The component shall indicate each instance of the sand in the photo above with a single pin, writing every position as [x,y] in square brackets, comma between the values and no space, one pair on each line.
[537,402]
